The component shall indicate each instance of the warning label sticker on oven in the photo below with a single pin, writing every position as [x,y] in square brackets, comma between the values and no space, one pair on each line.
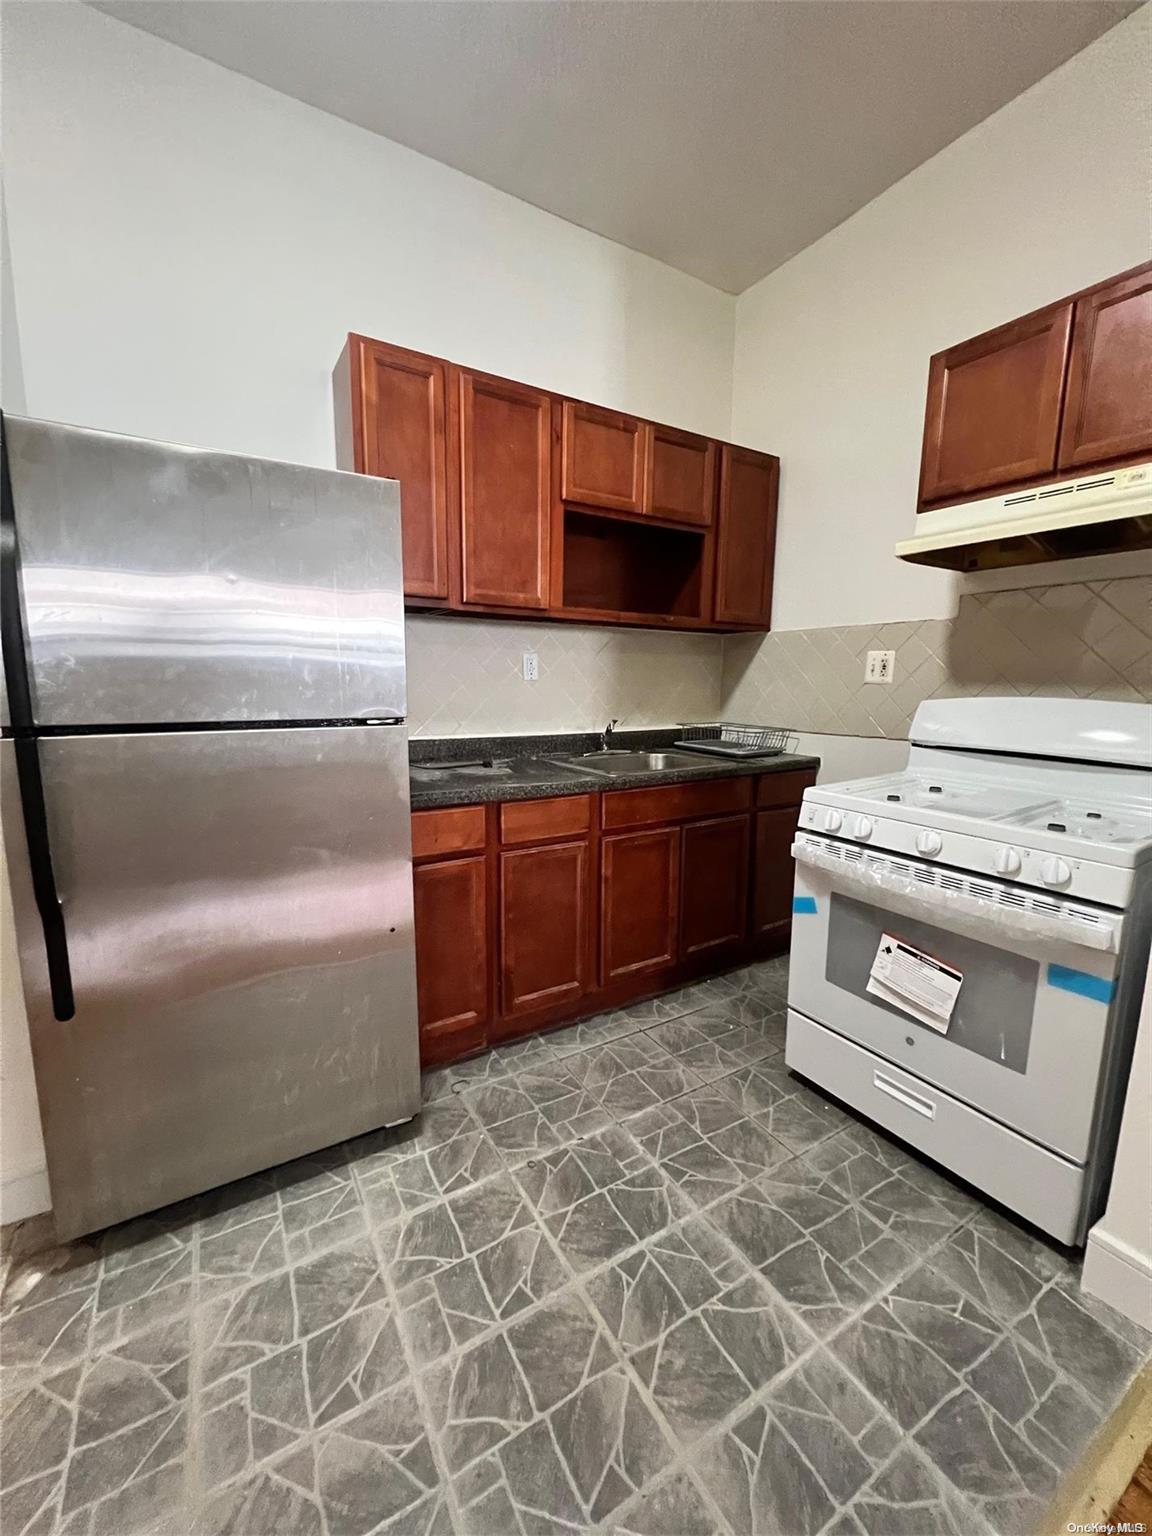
[917,983]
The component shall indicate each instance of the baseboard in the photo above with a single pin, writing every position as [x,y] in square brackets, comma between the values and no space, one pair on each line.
[24,1192]
[1119,1275]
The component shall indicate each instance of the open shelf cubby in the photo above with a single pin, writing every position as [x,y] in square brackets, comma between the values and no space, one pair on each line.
[612,566]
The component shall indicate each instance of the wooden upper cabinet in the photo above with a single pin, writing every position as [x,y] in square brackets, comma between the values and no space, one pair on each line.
[603,458]
[993,413]
[747,537]
[1108,402]
[403,437]
[514,499]
[505,492]
[681,478]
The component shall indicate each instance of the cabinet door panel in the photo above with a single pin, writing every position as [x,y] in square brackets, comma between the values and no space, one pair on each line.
[1108,406]
[544,926]
[713,884]
[774,871]
[505,499]
[451,916]
[747,546]
[681,477]
[993,412]
[405,439]
[602,458]
[639,901]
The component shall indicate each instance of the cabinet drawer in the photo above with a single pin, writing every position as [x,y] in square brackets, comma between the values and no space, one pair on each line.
[784,788]
[676,802]
[459,829]
[536,821]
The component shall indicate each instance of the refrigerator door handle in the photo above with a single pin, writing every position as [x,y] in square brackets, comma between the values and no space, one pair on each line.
[44,877]
[31,783]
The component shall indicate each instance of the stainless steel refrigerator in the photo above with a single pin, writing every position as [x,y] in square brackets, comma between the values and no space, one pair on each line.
[205,796]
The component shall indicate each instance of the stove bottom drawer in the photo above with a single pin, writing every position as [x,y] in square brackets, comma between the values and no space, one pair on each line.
[1045,1189]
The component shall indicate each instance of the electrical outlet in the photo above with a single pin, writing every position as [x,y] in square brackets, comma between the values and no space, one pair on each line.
[531,666]
[879,666]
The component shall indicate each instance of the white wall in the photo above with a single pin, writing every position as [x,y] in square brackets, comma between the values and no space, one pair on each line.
[1049,194]
[189,250]
[1118,1263]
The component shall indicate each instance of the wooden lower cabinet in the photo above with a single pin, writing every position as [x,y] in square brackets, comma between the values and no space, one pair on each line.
[452,956]
[713,885]
[535,912]
[545,926]
[773,872]
[639,900]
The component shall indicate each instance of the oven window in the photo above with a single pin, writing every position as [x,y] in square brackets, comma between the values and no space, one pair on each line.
[997,1001]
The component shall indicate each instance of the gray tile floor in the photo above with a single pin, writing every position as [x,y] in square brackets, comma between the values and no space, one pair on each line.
[631,1277]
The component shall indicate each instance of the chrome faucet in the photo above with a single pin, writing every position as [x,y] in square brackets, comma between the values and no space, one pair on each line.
[606,734]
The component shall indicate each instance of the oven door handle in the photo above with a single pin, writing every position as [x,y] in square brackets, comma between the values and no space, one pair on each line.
[905,1096]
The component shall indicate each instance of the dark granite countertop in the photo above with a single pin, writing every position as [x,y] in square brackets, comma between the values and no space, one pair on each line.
[522,767]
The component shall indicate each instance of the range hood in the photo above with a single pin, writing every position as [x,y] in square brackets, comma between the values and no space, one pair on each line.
[1097,514]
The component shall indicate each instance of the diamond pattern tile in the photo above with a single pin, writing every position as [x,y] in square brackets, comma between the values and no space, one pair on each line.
[1078,639]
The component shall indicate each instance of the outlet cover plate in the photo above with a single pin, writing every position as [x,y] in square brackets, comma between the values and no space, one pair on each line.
[879,666]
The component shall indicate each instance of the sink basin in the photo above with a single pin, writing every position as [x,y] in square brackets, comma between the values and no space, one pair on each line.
[512,771]
[609,763]
[597,754]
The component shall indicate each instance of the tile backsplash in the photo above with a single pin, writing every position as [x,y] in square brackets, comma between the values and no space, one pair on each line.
[465,677]
[1080,640]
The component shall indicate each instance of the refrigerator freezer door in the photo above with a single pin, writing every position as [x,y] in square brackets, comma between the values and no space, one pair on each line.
[238,910]
[167,585]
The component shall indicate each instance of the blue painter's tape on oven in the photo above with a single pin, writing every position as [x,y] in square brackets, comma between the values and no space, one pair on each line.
[804,906]
[1081,982]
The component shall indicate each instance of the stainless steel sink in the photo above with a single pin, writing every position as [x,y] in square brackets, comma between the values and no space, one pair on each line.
[614,762]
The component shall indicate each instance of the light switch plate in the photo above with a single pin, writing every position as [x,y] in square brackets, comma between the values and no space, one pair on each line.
[879,666]
[531,666]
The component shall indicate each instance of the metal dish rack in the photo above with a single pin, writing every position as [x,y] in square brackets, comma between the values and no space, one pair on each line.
[724,738]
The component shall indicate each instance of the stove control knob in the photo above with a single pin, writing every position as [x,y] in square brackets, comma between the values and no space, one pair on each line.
[929,842]
[1055,872]
[832,820]
[1007,861]
[863,827]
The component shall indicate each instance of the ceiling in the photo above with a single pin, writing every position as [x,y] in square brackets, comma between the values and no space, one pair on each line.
[720,136]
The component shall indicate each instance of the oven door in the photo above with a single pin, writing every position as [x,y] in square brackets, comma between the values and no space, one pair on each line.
[1027,1032]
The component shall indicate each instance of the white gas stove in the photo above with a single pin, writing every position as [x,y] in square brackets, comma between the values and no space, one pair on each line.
[970,937]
